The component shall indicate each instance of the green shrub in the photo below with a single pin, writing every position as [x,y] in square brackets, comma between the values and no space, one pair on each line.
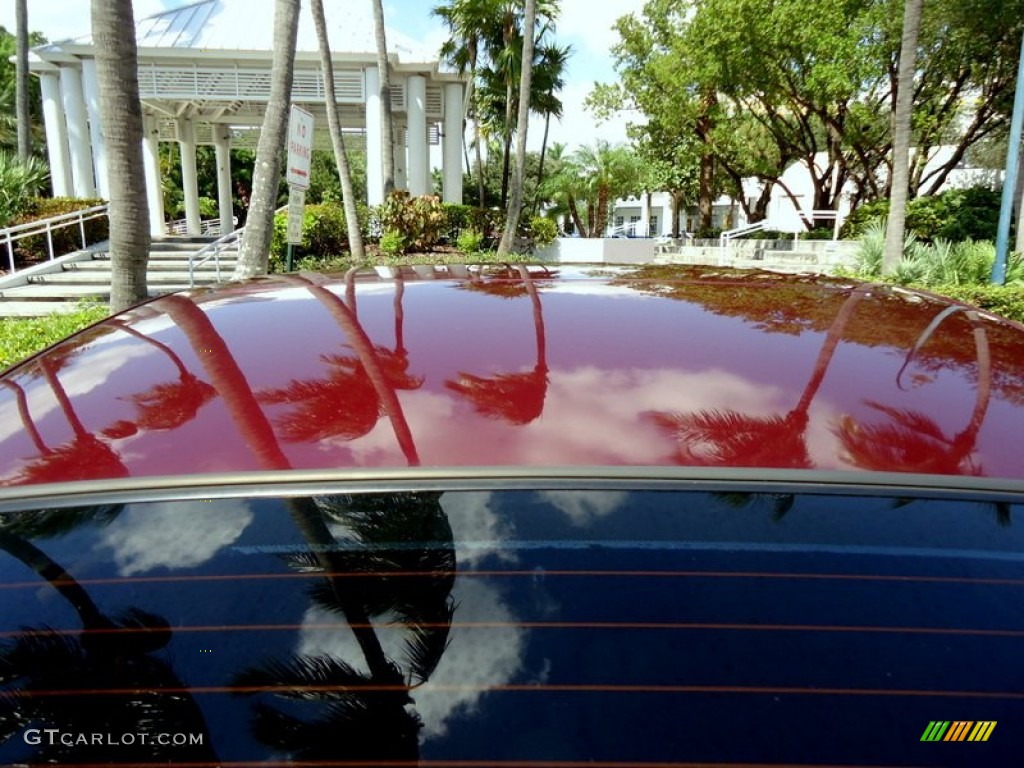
[543,231]
[22,337]
[324,234]
[392,243]
[420,221]
[33,249]
[470,241]
[955,215]
[19,180]
[1004,300]
[457,218]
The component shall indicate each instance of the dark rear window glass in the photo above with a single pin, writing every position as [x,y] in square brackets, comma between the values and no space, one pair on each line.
[553,628]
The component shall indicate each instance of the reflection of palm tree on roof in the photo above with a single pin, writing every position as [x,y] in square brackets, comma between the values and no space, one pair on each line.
[730,438]
[168,405]
[515,397]
[108,653]
[910,441]
[397,564]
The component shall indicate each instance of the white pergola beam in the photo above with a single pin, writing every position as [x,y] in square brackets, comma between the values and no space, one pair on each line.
[452,143]
[419,160]
[222,145]
[91,91]
[56,134]
[374,139]
[189,176]
[151,165]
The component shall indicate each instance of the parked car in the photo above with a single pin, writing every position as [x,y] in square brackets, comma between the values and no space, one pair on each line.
[517,516]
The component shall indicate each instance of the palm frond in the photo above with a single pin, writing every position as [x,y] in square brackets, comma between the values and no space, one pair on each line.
[304,677]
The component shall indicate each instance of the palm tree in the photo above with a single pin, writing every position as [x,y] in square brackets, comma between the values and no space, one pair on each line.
[465,20]
[728,438]
[348,195]
[386,120]
[518,398]
[113,30]
[901,129]
[910,441]
[254,254]
[366,715]
[592,178]
[109,653]
[549,79]
[22,80]
[525,77]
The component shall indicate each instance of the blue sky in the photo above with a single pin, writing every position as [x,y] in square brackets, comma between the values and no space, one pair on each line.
[585,24]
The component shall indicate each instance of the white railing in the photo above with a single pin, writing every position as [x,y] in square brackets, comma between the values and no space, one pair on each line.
[627,230]
[747,229]
[11,235]
[811,216]
[206,227]
[213,251]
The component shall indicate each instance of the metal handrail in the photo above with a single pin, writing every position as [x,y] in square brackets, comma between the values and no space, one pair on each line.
[47,226]
[747,229]
[206,227]
[213,251]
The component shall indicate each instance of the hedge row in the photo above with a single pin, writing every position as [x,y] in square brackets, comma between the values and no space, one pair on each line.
[31,250]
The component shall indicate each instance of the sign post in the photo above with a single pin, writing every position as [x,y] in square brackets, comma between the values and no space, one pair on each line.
[300,151]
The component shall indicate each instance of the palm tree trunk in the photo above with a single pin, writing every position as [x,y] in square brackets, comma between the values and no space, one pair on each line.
[540,163]
[229,381]
[259,227]
[348,196]
[363,347]
[901,138]
[506,157]
[21,75]
[386,120]
[113,30]
[574,212]
[481,191]
[525,79]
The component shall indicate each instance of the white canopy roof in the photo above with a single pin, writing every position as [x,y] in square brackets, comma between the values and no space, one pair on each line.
[247,25]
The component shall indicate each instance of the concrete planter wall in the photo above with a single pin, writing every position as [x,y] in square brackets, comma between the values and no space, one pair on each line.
[594,250]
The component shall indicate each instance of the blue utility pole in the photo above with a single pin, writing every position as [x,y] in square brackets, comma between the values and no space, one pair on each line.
[1010,180]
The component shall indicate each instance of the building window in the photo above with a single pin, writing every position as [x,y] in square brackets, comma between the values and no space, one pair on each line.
[654,227]
[619,221]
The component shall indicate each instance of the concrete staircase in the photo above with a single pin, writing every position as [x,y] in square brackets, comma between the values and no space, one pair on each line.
[89,278]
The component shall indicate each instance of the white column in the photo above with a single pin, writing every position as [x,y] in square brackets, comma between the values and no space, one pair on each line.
[91,91]
[226,209]
[452,143]
[78,132]
[374,140]
[151,165]
[416,98]
[56,135]
[401,158]
[644,225]
[189,177]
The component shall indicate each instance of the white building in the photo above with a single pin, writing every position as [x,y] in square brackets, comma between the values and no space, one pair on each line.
[204,78]
[631,216]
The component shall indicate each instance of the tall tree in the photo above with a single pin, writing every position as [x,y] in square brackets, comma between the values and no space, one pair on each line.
[516,206]
[348,195]
[113,31]
[254,254]
[22,79]
[386,119]
[465,21]
[901,138]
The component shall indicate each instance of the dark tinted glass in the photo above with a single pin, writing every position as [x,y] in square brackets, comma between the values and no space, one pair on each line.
[515,628]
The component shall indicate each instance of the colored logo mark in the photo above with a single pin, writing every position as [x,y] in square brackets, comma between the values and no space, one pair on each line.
[958,730]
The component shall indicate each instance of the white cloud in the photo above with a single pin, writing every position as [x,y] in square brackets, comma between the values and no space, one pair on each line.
[158,536]
[583,507]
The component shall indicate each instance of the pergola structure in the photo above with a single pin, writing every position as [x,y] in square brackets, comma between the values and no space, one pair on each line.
[204,78]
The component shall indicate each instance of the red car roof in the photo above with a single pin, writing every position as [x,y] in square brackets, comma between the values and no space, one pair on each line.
[632,366]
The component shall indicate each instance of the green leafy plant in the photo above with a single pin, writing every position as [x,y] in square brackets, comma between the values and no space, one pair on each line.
[30,250]
[470,241]
[543,231]
[19,180]
[421,221]
[392,243]
[324,233]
